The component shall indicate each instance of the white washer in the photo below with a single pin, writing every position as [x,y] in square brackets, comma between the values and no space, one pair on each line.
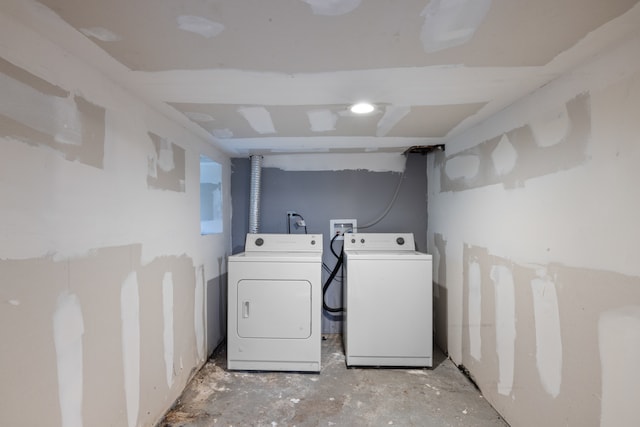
[275,302]
[388,301]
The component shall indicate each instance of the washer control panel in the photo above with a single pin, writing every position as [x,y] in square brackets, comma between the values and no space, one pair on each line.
[379,242]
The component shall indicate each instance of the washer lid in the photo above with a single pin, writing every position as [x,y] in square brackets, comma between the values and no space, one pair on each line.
[387,255]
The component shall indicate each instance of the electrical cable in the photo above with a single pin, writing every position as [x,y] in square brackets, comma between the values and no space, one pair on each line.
[302,222]
[393,200]
[288,223]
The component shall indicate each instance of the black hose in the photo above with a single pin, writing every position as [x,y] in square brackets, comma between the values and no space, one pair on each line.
[332,276]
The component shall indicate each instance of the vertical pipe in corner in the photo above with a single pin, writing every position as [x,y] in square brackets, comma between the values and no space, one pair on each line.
[254,195]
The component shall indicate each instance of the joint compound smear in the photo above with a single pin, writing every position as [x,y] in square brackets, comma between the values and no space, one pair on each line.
[68,329]
[130,316]
[167,311]
[619,342]
[502,278]
[198,312]
[548,339]
[332,7]
[475,310]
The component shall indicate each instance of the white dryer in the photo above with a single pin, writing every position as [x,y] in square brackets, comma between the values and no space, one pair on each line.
[388,301]
[275,302]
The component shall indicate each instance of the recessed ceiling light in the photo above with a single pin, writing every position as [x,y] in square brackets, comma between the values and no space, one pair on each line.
[362,108]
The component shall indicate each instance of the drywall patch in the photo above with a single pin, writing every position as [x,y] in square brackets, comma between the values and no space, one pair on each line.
[38,113]
[199,25]
[167,312]
[166,166]
[548,337]
[393,114]
[619,342]
[505,315]
[130,317]
[258,118]
[462,167]
[101,34]
[534,158]
[322,120]
[504,156]
[475,309]
[449,23]
[68,329]
[332,7]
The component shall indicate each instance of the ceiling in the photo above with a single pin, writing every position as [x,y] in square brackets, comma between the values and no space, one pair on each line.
[258,76]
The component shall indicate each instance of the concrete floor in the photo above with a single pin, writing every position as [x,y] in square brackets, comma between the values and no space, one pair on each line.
[338,396]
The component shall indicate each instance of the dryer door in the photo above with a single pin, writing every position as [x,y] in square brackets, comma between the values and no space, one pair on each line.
[274,309]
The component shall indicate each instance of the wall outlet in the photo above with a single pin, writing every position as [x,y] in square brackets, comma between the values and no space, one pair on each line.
[341,226]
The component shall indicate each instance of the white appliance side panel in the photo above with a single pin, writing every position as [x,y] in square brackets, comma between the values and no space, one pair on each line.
[274,309]
[389,308]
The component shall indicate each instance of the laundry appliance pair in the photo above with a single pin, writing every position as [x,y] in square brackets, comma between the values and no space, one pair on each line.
[275,302]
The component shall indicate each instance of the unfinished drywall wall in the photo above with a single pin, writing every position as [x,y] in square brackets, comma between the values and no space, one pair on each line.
[108,292]
[535,215]
[332,194]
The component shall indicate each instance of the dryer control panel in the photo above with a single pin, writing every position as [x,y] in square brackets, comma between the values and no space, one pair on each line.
[283,243]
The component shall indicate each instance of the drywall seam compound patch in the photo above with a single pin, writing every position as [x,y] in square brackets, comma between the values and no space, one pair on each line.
[502,278]
[392,116]
[504,156]
[465,166]
[373,162]
[259,119]
[548,337]
[68,329]
[199,117]
[552,128]
[322,120]
[475,310]
[101,34]
[199,25]
[332,7]
[130,317]
[449,23]
[619,342]
[167,312]
[222,133]
[51,115]
[198,312]
[165,156]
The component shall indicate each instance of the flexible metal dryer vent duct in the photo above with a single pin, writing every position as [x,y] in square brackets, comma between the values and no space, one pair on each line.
[254,196]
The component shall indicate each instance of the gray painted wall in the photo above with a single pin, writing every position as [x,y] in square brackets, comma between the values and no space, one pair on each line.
[323,195]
